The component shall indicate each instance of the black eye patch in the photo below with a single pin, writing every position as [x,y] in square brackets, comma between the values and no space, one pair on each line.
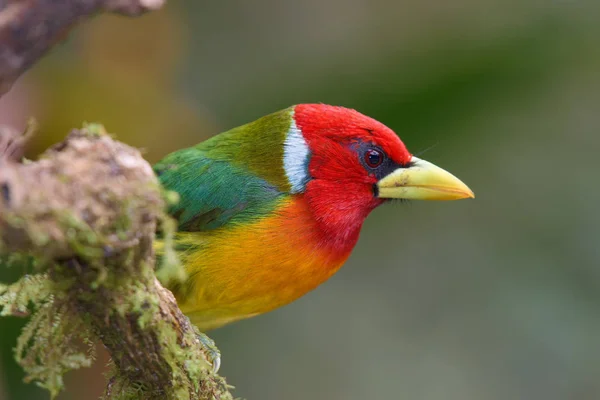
[374,160]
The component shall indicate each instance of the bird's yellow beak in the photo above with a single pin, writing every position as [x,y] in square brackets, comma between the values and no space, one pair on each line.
[422,181]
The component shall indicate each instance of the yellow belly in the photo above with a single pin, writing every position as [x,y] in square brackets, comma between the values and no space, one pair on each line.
[250,269]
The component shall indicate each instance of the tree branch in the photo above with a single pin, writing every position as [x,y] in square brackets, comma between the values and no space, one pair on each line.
[88,211]
[29,28]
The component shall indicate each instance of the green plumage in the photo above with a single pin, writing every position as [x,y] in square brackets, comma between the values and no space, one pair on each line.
[234,177]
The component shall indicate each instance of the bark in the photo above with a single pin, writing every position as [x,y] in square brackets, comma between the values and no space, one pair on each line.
[88,210]
[29,28]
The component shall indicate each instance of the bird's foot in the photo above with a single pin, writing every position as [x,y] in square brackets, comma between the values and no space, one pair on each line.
[211,350]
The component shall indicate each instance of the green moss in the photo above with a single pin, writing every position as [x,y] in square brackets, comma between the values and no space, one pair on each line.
[142,302]
[94,129]
[171,197]
[170,270]
[119,387]
[86,243]
[21,260]
[51,342]
[15,299]
[105,265]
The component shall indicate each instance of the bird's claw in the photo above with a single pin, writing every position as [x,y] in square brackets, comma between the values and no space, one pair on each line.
[211,351]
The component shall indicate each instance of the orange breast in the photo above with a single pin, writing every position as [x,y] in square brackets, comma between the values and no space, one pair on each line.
[244,270]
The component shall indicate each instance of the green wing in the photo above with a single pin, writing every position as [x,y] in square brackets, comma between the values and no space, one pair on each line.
[213,192]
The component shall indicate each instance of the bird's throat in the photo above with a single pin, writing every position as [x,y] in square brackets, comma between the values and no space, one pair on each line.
[339,212]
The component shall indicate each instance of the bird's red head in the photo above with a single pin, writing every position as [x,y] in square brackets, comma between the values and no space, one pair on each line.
[348,154]
[346,164]
[323,125]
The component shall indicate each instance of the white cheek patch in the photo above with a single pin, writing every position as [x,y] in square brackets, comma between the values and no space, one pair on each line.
[296,155]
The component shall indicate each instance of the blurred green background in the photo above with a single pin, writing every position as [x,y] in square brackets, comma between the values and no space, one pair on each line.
[494,298]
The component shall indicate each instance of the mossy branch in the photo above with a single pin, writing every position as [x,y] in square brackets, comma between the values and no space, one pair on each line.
[86,214]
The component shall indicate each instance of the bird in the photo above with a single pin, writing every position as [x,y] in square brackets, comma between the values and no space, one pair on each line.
[270,210]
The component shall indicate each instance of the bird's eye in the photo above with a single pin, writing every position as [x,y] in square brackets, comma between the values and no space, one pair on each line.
[373,158]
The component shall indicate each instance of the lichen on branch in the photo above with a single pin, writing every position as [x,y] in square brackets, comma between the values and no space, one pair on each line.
[87,212]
